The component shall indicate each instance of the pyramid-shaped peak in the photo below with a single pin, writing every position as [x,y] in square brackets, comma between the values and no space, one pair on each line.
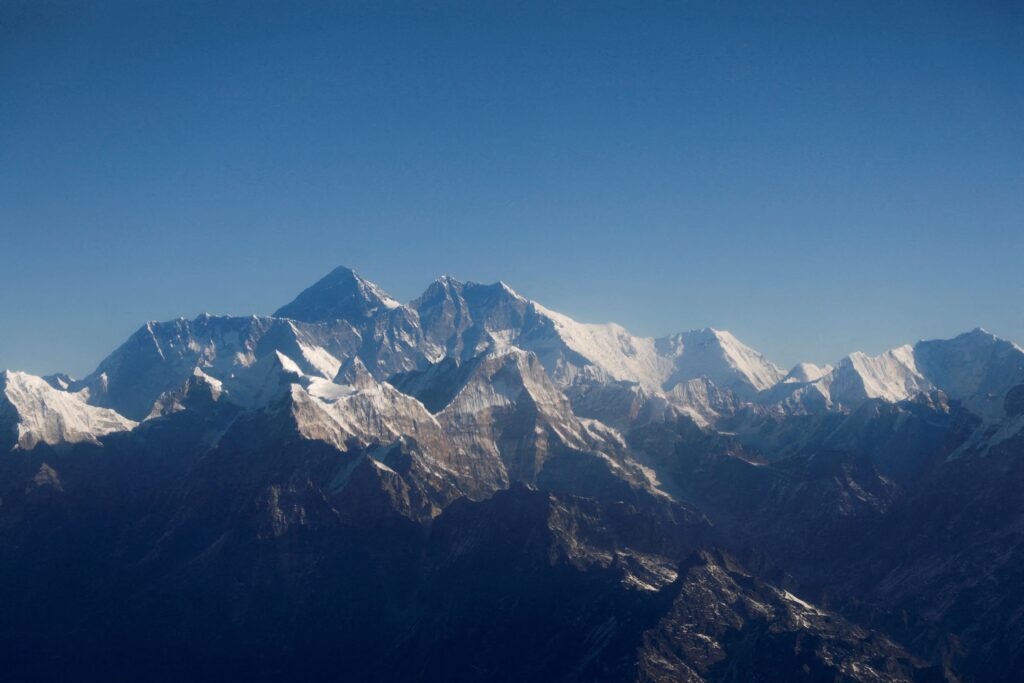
[341,294]
[354,373]
[508,290]
[981,334]
[806,372]
[444,287]
[711,334]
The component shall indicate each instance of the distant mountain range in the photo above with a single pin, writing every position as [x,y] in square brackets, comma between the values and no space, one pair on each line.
[474,487]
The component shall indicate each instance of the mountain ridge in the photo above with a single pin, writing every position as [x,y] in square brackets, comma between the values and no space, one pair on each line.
[472,475]
[705,373]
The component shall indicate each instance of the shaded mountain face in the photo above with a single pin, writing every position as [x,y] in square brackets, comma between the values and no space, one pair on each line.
[340,295]
[474,487]
[724,623]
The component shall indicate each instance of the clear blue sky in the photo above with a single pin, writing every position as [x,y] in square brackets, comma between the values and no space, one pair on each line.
[816,177]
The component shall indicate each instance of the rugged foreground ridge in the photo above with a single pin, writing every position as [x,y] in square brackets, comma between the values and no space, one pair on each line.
[473,487]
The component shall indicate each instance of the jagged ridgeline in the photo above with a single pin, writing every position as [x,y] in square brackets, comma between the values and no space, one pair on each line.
[474,487]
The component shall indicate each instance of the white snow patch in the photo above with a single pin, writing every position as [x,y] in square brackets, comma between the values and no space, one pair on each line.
[52,416]
[612,348]
[892,375]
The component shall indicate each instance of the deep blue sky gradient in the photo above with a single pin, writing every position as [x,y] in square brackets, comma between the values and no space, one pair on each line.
[817,177]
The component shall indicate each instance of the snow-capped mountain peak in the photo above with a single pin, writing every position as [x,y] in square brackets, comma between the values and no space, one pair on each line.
[509,291]
[806,372]
[36,412]
[719,356]
[976,367]
[346,330]
[891,375]
[608,347]
[340,295]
